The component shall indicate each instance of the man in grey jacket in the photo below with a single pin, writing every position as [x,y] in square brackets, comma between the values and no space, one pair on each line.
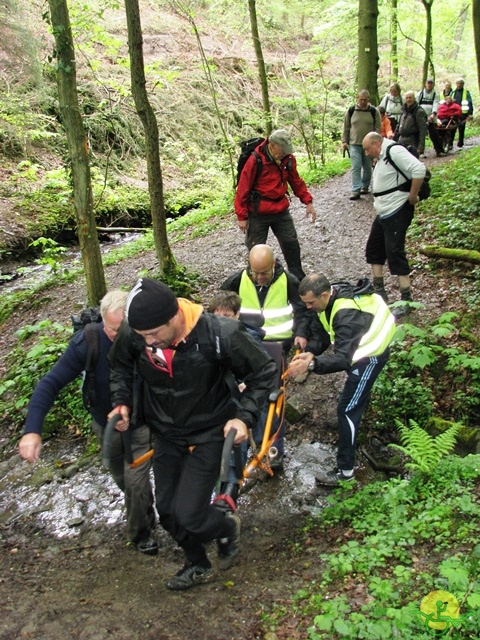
[360,120]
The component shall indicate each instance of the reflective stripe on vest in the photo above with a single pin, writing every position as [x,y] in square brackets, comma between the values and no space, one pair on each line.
[381,331]
[277,312]
[465,105]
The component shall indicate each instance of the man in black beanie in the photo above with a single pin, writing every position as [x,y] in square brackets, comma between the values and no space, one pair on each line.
[185,359]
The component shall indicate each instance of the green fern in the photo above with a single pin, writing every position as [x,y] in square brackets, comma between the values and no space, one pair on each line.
[425,450]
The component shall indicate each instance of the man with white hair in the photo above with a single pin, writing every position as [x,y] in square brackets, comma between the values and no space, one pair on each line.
[134,482]
[261,200]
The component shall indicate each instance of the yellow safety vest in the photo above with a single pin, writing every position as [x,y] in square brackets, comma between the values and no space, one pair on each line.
[465,105]
[381,331]
[277,312]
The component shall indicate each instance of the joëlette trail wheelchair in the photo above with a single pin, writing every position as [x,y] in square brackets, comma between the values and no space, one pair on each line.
[446,129]
[240,463]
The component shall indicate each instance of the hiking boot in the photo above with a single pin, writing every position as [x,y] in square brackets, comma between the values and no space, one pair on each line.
[380,291]
[401,311]
[189,576]
[364,190]
[355,195]
[228,547]
[148,546]
[333,478]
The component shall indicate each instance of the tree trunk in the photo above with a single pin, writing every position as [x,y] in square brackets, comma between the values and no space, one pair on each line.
[476,34]
[460,255]
[252,10]
[428,69]
[394,40]
[78,151]
[146,114]
[459,30]
[368,48]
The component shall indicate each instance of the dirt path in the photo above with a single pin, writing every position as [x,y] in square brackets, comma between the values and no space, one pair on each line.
[89,585]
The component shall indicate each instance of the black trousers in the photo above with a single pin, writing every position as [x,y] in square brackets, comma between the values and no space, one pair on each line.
[184,482]
[284,230]
[386,241]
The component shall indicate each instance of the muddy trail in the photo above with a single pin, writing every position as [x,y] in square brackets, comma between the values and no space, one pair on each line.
[65,569]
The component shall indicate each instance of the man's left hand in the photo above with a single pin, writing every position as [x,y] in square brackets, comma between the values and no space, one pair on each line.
[299,364]
[241,427]
[310,211]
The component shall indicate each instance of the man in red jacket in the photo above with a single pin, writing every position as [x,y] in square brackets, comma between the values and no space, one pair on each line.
[261,200]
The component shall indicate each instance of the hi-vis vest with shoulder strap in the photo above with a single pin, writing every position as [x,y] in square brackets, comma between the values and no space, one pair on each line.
[381,331]
[277,311]
[465,106]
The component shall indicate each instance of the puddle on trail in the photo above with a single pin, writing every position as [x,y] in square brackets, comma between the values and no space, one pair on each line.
[64,497]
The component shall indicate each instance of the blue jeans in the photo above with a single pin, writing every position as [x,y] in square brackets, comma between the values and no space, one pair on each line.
[361,168]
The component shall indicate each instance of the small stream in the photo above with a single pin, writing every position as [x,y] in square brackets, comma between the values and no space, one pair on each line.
[64,493]
[19,275]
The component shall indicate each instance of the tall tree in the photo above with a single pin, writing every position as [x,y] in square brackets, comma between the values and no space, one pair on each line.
[78,151]
[428,69]
[476,34]
[146,114]
[394,40]
[252,10]
[368,48]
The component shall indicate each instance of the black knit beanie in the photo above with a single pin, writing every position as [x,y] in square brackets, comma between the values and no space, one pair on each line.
[150,304]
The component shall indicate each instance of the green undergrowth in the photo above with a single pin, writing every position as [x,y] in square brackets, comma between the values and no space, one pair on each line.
[451,216]
[390,544]
[37,349]
[433,372]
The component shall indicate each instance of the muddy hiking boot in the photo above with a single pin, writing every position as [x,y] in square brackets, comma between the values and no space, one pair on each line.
[229,547]
[147,546]
[404,308]
[190,576]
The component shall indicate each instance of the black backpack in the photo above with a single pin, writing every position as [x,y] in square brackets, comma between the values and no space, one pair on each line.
[425,189]
[88,321]
[247,149]
[371,108]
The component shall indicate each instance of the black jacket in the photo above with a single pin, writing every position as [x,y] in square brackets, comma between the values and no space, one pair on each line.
[350,325]
[193,404]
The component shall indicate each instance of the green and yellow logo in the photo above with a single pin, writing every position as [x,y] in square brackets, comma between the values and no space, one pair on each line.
[440,612]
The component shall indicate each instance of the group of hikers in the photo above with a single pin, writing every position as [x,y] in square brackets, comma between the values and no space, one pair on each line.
[172,372]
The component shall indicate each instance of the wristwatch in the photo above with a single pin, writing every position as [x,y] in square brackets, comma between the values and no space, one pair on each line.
[311,365]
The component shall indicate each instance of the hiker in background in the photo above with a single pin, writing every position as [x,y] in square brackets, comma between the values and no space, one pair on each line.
[412,126]
[261,201]
[186,359]
[392,102]
[135,483]
[394,208]
[359,120]
[387,131]
[447,91]
[428,99]
[462,97]
[360,327]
